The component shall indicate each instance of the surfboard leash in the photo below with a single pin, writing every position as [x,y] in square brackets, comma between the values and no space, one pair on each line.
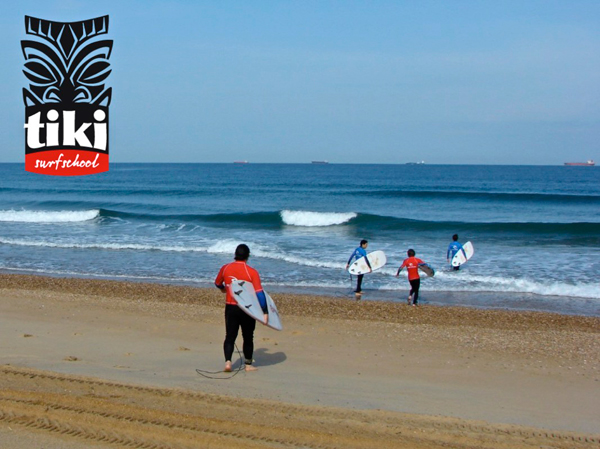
[212,374]
[343,293]
[352,292]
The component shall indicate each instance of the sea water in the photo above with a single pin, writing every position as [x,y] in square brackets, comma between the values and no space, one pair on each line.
[535,229]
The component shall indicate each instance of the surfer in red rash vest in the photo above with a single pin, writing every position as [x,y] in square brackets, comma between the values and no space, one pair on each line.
[234,316]
[412,265]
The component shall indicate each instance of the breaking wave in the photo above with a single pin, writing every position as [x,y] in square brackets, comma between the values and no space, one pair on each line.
[314,219]
[63,216]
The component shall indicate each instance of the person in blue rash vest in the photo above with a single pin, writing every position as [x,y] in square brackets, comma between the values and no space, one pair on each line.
[359,252]
[454,248]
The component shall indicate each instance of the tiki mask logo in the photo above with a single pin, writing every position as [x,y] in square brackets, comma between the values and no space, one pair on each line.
[66,105]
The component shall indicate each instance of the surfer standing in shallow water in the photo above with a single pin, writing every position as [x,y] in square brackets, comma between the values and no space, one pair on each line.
[359,252]
[234,316]
[454,248]
[412,266]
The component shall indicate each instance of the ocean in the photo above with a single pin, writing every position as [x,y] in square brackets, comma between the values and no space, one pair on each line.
[535,229]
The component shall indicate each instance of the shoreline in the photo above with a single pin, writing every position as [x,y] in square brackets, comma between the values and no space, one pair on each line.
[314,306]
[101,352]
[521,302]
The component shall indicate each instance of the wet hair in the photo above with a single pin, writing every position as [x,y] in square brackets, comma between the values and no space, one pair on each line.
[242,252]
[455,237]
[411,253]
[363,242]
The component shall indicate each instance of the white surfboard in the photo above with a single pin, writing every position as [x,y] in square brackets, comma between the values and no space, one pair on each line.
[377,260]
[427,269]
[459,258]
[274,318]
[245,295]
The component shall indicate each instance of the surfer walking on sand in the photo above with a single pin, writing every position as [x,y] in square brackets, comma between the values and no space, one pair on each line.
[359,252]
[454,248]
[234,316]
[412,266]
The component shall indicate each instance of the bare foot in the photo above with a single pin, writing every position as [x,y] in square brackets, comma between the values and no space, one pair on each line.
[251,368]
[409,300]
[227,367]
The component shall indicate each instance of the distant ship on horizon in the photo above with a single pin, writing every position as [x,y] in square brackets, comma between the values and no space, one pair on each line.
[589,163]
[240,162]
[320,162]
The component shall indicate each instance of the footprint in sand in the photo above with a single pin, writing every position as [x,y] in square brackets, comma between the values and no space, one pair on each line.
[71,358]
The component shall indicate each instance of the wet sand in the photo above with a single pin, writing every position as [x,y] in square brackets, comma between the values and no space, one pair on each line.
[88,363]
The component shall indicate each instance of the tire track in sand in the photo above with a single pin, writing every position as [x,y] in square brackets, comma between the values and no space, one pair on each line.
[158,418]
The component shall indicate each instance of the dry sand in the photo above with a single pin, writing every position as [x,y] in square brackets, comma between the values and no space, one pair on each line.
[112,364]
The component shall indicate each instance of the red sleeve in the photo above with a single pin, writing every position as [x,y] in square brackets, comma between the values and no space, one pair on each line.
[256,281]
[403,264]
[220,279]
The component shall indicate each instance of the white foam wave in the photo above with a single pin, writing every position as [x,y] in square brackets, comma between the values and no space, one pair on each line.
[519,287]
[108,246]
[451,282]
[82,274]
[227,246]
[313,219]
[63,216]
[296,260]
[219,247]
[544,288]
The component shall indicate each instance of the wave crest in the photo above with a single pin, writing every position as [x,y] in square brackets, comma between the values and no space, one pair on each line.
[312,219]
[41,216]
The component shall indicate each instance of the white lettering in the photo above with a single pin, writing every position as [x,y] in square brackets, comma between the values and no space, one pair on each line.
[59,162]
[52,129]
[70,135]
[33,127]
[100,134]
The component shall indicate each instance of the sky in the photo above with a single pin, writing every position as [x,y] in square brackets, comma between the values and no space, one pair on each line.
[445,82]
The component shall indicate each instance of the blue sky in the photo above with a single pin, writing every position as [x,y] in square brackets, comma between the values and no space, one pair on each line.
[460,82]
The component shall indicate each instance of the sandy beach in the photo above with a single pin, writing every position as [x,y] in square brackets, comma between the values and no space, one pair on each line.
[87,363]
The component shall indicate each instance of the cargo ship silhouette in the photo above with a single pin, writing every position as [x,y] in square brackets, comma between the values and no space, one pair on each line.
[589,163]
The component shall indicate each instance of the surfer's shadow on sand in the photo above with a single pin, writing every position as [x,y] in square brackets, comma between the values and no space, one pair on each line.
[264,358]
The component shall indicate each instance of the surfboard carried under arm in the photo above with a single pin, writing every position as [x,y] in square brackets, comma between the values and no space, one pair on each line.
[245,295]
[459,258]
[427,269]
[377,260]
